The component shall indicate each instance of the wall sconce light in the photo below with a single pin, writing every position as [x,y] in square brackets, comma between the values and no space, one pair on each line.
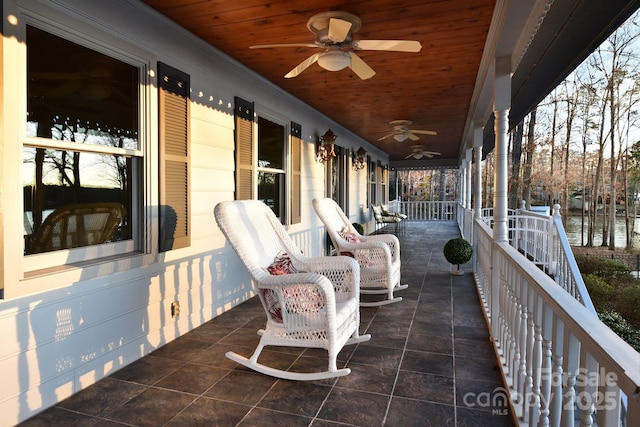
[359,159]
[324,146]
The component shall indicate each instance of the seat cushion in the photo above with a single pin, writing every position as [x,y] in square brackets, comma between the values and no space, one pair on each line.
[349,238]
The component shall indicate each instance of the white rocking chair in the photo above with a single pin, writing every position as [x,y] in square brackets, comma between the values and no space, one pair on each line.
[309,302]
[378,255]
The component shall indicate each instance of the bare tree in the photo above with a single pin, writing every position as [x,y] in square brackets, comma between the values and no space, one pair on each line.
[529,154]
[516,154]
[614,59]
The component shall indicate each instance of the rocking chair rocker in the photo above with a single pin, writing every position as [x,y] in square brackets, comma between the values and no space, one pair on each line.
[309,302]
[378,255]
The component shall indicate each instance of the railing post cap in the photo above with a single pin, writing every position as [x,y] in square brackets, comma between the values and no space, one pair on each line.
[556,209]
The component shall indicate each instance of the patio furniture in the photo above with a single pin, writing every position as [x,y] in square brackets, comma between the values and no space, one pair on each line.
[309,302]
[77,225]
[387,210]
[384,220]
[377,255]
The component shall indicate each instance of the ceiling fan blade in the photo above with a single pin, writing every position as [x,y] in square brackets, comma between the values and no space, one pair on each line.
[410,155]
[432,153]
[412,136]
[386,136]
[65,89]
[338,29]
[303,66]
[425,132]
[393,45]
[54,75]
[263,46]
[360,67]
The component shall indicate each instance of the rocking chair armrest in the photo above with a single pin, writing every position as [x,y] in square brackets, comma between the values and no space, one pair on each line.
[363,244]
[340,268]
[374,247]
[389,239]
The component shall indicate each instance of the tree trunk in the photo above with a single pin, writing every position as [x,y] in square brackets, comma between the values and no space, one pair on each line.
[516,155]
[528,158]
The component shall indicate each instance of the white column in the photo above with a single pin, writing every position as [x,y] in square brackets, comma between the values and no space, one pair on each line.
[467,203]
[502,105]
[461,183]
[477,144]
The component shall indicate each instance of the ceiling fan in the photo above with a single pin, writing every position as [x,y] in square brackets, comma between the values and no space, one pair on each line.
[419,152]
[334,33]
[401,131]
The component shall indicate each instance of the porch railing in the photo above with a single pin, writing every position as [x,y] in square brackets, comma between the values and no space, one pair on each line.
[562,365]
[429,210]
[541,239]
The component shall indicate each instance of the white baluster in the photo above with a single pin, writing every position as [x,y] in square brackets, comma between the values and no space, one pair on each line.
[528,393]
[522,371]
[515,362]
[569,402]
[586,412]
[609,404]
[534,415]
[545,383]
[555,405]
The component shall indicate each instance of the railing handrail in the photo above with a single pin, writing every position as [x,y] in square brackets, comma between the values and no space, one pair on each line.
[566,254]
[552,252]
[557,358]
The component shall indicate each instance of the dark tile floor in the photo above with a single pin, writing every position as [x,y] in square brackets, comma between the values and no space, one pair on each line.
[429,363]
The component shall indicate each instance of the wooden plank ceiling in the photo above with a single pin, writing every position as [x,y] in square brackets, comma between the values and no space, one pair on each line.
[432,88]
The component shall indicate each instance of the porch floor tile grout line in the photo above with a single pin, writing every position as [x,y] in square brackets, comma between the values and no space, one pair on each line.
[404,349]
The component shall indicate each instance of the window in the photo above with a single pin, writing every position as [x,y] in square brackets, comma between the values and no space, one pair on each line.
[82,150]
[372,189]
[271,166]
[337,177]
[382,183]
[277,159]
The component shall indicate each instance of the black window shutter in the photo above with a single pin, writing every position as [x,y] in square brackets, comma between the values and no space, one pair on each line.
[244,118]
[174,86]
[296,170]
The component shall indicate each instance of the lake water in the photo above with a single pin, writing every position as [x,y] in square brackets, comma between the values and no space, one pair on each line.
[573,229]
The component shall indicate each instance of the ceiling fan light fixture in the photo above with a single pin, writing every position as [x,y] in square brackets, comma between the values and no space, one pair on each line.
[400,137]
[334,60]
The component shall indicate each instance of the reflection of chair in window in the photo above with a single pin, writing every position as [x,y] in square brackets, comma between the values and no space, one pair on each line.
[76,225]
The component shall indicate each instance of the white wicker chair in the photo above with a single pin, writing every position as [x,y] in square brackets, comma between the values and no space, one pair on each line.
[378,255]
[317,306]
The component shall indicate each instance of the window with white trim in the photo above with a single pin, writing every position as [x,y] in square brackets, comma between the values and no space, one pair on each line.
[268,160]
[81,152]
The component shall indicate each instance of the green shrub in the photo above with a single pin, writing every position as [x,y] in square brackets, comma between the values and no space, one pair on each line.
[458,251]
[611,270]
[621,327]
[601,293]
[629,304]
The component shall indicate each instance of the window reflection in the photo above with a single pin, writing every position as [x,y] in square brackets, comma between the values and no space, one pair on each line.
[270,144]
[74,92]
[81,96]
[269,189]
[54,179]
